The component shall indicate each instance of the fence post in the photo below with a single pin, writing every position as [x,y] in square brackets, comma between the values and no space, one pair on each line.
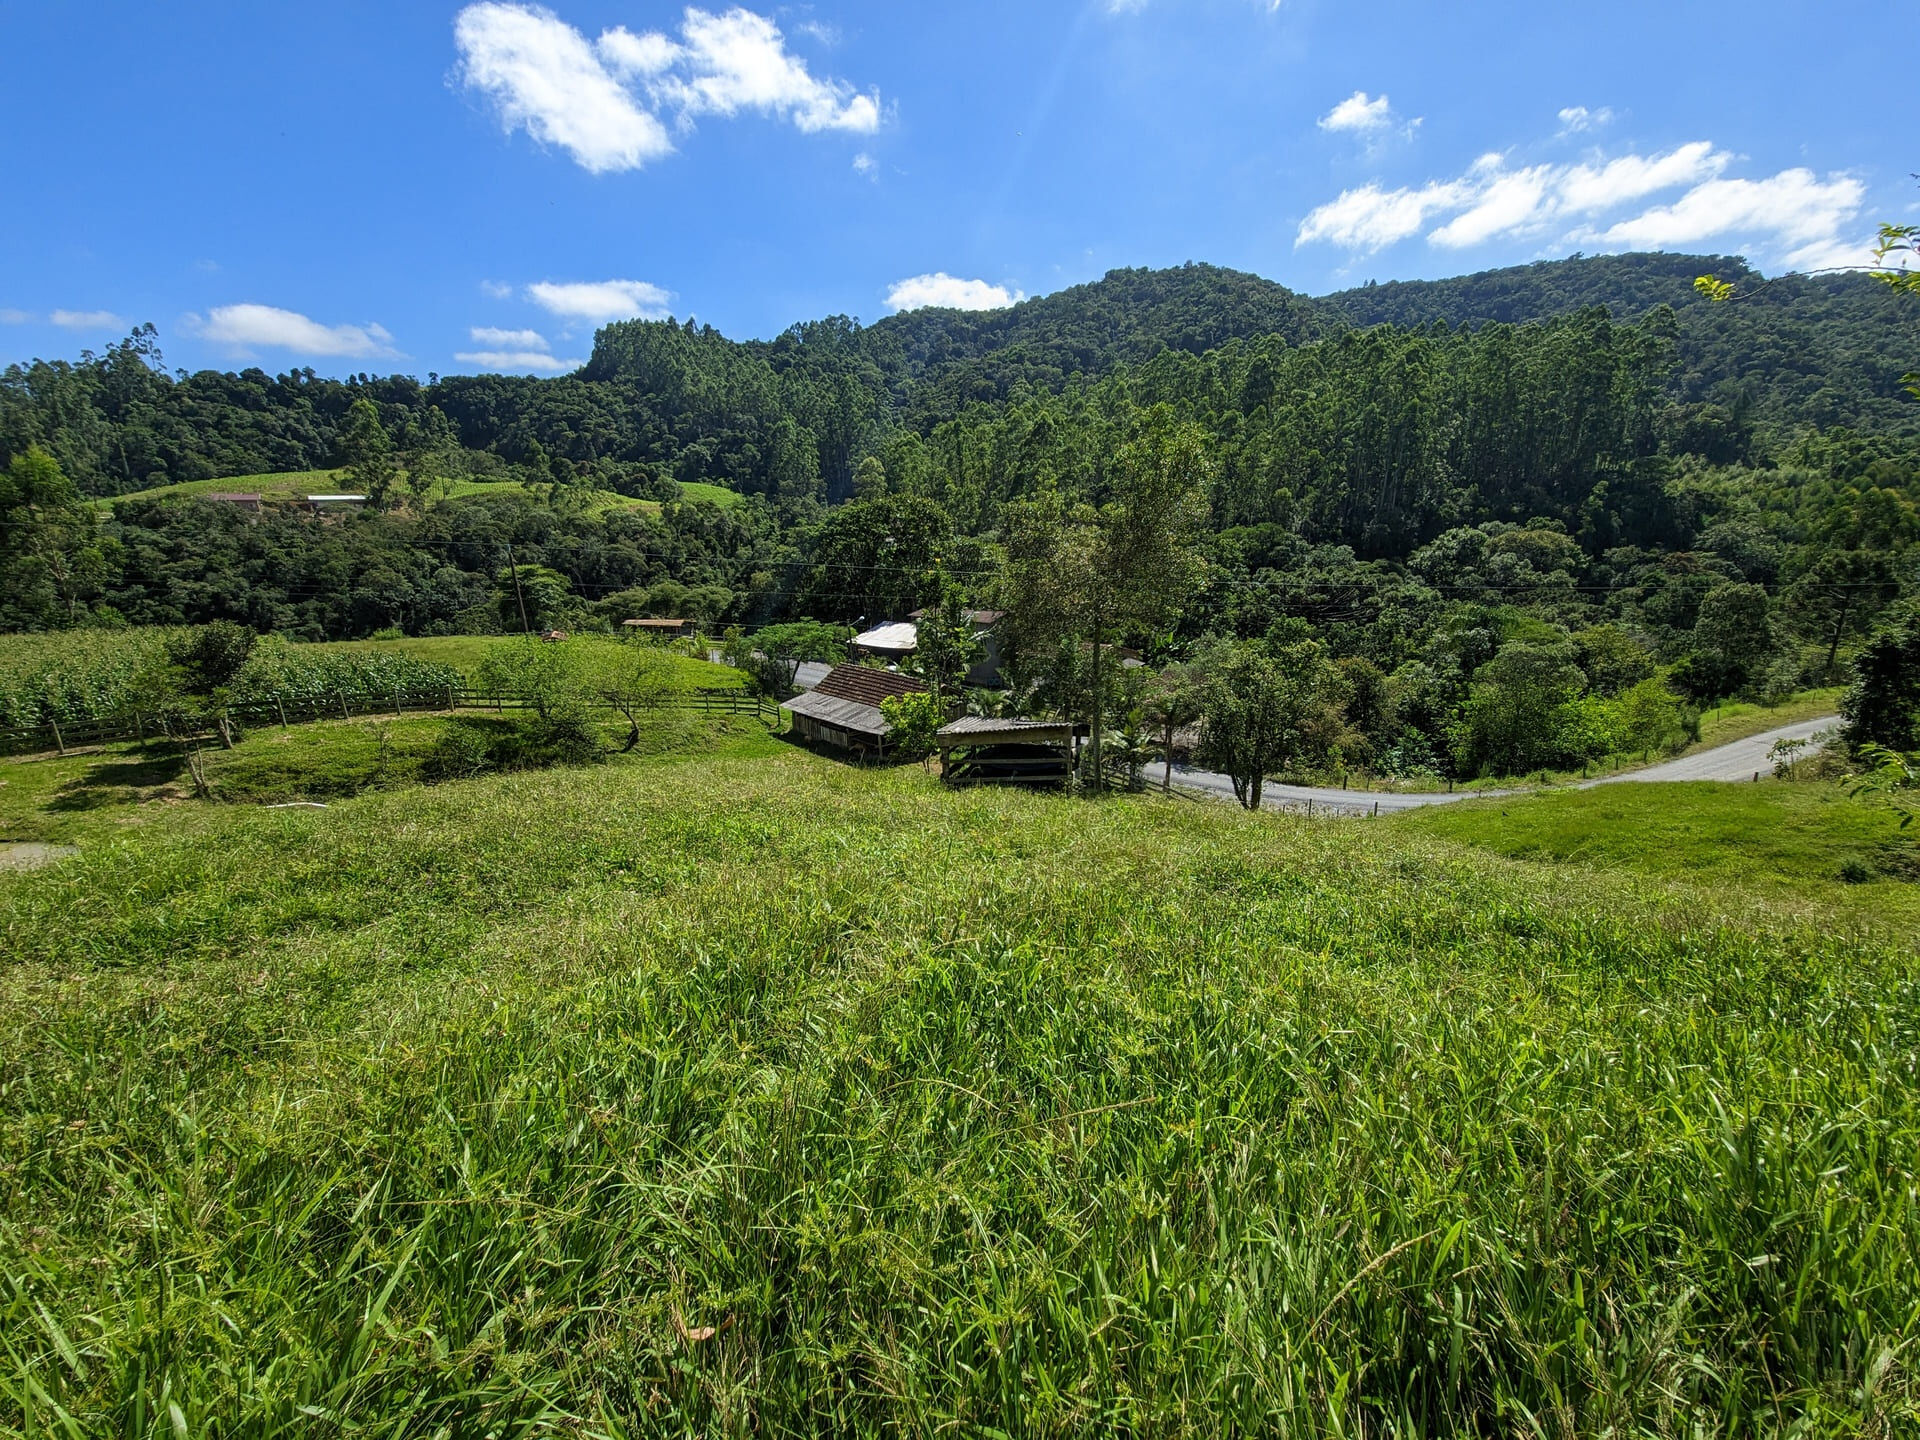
[341,696]
[61,745]
[280,705]
[396,702]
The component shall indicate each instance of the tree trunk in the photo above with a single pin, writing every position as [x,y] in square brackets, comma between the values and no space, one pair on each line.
[1166,753]
[1097,708]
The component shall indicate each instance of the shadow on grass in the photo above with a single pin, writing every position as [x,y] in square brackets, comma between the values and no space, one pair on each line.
[120,781]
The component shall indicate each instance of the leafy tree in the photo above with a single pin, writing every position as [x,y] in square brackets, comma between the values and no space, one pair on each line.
[1882,705]
[1512,721]
[550,677]
[210,657]
[1838,596]
[366,450]
[1175,700]
[51,557]
[774,654]
[914,721]
[1098,575]
[1263,713]
[1733,639]
[945,645]
[637,679]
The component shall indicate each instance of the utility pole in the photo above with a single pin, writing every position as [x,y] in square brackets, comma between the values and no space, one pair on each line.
[525,629]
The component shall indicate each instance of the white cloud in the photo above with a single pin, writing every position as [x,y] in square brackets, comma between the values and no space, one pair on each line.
[1802,217]
[546,79]
[603,100]
[738,61]
[521,339]
[87,320]
[518,362]
[245,326]
[1369,218]
[1576,119]
[947,292]
[599,302]
[865,163]
[495,289]
[1793,217]
[1359,114]
[1588,189]
[15,317]
[1508,202]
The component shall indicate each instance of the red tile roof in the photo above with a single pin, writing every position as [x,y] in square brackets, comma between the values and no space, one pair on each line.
[866,685]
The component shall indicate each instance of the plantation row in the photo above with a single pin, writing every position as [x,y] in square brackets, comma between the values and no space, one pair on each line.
[75,678]
[140,725]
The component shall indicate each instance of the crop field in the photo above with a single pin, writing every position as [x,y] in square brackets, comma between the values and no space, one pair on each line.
[466,653]
[731,1091]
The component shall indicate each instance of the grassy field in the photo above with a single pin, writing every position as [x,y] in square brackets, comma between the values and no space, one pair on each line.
[284,488]
[1736,721]
[293,486]
[736,1092]
[1803,845]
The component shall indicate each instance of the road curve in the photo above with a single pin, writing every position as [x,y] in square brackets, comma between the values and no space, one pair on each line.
[1736,760]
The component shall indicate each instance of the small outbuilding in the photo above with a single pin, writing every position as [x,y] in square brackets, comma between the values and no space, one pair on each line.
[843,709]
[893,641]
[663,629]
[979,750]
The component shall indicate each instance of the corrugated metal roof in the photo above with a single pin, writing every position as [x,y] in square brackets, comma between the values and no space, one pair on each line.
[867,685]
[809,673]
[978,725]
[846,714]
[900,635]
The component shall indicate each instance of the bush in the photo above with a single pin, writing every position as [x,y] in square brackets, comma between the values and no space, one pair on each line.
[462,751]
[1855,872]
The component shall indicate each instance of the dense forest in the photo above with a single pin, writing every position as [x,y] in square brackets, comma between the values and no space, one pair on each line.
[1579,466]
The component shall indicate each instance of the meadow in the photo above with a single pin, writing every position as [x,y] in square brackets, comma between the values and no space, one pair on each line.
[293,486]
[732,1091]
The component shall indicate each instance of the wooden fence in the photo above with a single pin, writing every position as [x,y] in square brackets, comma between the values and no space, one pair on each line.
[287,710]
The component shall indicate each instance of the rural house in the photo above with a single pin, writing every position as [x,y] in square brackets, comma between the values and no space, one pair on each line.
[843,710]
[895,641]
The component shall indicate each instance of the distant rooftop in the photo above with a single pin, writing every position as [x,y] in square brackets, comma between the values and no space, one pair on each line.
[902,635]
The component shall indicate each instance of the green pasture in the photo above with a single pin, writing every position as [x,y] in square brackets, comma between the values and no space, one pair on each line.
[1803,845]
[286,487]
[735,1091]
[291,487]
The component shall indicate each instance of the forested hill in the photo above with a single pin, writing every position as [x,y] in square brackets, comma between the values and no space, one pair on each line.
[1627,285]
[1822,351]
[662,401]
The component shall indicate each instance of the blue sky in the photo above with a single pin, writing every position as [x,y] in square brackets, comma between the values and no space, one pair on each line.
[396,186]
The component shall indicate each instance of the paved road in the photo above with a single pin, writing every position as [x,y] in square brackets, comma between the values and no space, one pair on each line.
[1736,761]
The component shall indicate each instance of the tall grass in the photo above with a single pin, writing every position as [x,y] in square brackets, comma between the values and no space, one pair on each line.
[779,1099]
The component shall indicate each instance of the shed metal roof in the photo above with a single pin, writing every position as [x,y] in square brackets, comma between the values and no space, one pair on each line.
[845,714]
[982,727]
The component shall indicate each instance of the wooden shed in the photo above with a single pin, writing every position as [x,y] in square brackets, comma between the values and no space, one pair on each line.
[978,750]
[843,710]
